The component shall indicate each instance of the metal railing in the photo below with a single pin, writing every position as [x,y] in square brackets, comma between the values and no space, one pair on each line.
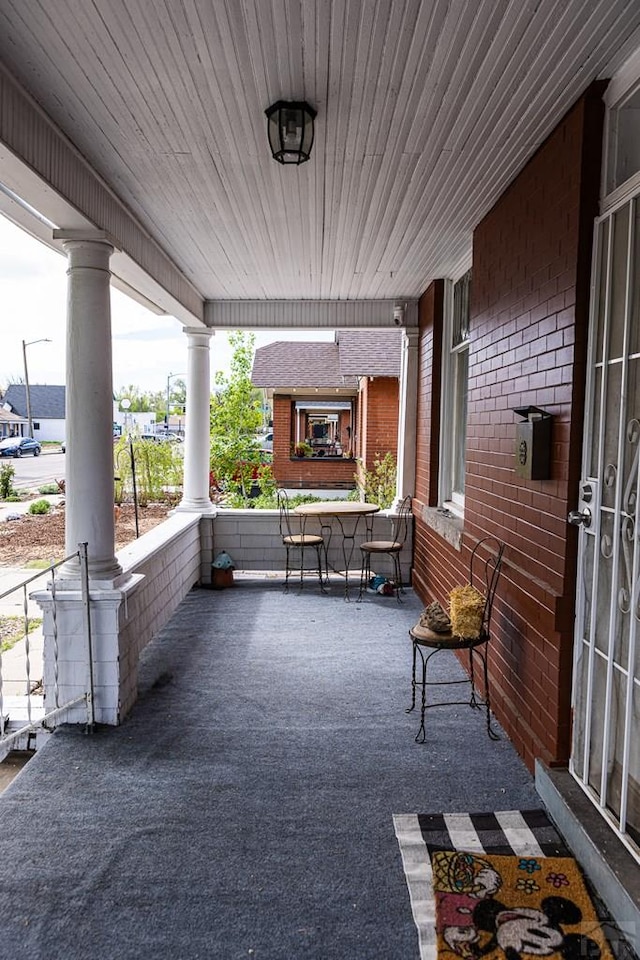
[31,713]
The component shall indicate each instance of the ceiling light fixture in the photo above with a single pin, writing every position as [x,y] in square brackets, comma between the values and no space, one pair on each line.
[290,130]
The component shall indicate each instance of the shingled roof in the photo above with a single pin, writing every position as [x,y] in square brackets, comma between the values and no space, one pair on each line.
[47,402]
[305,364]
[369,353]
[11,418]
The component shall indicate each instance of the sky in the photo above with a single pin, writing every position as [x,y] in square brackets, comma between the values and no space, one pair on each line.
[146,347]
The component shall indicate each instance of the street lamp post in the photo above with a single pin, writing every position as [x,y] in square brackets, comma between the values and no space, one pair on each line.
[26,379]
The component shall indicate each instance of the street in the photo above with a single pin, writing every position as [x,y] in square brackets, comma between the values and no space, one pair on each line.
[33,472]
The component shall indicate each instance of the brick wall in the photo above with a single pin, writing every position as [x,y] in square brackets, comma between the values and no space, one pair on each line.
[529,318]
[381,398]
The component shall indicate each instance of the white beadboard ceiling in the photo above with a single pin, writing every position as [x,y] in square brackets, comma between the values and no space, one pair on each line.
[426,109]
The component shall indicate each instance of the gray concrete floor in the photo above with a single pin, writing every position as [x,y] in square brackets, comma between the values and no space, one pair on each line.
[245,806]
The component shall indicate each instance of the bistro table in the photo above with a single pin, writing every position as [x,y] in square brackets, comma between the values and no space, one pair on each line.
[348,514]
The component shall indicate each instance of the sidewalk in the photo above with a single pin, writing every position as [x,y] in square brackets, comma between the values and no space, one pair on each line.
[14,672]
[13,605]
[14,669]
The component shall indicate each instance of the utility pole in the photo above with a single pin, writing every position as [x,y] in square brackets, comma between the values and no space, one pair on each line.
[26,380]
[166,416]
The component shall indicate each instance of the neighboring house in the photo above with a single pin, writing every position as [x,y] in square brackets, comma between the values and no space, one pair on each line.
[333,404]
[11,424]
[48,409]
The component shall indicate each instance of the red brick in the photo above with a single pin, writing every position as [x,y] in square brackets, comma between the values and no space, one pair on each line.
[529,297]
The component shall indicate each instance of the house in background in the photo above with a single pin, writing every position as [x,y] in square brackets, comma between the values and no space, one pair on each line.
[335,405]
[11,424]
[48,409]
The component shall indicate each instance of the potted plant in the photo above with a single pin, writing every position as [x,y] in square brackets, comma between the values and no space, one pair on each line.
[303,449]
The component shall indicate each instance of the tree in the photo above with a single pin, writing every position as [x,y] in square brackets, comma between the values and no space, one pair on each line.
[236,415]
[177,399]
[140,402]
[159,468]
[145,401]
[378,485]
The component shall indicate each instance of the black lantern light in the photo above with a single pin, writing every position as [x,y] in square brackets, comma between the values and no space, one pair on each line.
[290,129]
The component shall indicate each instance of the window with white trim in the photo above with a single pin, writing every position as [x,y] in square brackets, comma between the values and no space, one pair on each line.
[455,378]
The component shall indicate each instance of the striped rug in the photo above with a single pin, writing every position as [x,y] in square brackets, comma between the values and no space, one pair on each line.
[499,886]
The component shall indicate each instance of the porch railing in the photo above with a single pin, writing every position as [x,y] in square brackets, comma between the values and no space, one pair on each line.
[24,713]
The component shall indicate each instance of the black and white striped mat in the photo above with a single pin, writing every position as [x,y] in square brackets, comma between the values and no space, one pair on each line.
[520,833]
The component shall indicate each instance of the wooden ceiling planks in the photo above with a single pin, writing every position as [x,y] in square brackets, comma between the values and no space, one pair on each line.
[426,110]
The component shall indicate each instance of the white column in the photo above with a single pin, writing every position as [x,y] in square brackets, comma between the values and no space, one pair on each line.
[89,408]
[195,495]
[407,416]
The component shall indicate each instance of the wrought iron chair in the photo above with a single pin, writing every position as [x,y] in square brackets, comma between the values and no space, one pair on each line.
[298,540]
[484,572]
[392,548]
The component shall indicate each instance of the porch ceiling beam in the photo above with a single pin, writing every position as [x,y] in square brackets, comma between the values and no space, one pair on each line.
[308,314]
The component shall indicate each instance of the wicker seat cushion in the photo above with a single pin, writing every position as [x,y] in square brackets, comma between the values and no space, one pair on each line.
[303,540]
[429,638]
[381,546]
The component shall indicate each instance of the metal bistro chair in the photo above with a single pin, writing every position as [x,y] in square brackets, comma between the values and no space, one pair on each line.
[484,573]
[392,548]
[298,541]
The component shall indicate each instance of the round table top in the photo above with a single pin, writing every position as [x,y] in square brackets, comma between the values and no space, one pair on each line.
[336,508]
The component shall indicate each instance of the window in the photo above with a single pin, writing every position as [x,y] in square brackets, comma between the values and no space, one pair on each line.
[321,428]
[623,154]
[455,377]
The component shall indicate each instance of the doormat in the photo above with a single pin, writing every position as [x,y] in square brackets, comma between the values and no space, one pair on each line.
[499,886]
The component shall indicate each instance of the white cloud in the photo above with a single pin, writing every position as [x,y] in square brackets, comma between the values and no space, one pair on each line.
[146,347]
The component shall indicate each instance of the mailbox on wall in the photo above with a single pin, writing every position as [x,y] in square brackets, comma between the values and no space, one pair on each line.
[533,443]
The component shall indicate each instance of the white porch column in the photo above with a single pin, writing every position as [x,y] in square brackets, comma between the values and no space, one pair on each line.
[197,428]
[89,413]
[407,416]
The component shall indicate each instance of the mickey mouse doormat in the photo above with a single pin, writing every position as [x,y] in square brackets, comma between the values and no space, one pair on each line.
[496,886]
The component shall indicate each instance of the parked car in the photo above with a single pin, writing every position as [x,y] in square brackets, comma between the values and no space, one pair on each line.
[19,446]
[162,437]
[264,441]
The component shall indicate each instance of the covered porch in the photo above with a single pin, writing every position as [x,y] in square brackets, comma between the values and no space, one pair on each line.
[465,153]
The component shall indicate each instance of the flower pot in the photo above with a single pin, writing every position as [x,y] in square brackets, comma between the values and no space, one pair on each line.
[221,578]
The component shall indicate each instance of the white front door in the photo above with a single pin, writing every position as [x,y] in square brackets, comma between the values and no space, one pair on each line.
[606,695]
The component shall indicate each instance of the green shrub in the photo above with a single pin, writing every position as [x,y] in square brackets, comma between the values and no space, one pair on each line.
[39,506]
[7,474]
[158,469]
[299,498]
[49,488]
[379,484]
